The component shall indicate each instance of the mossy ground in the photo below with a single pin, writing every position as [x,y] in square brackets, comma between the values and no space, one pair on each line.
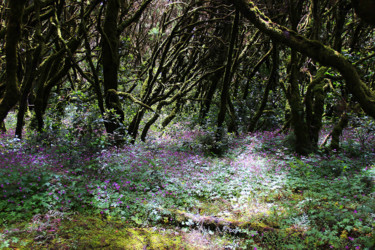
[95,232]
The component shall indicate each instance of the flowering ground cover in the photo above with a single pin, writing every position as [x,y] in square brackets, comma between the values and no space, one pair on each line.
[170,193]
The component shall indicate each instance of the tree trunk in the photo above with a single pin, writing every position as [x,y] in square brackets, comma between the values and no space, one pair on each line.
[30,74]
[227,79]
[149,124]
[314,102]
[13,35]
[272,81]
[209,95]
[3,129]
[314,49]
[337,131]
[303,144]
[134,125]
[253,72]
[172,115]
[232,126]
[45,88]
[110,47]
[28,82]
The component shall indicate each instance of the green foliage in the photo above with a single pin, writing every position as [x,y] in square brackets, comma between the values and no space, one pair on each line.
[287,202]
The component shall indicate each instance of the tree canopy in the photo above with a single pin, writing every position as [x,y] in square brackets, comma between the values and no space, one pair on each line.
[235,65]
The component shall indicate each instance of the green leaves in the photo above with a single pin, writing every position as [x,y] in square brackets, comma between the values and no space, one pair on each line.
[154,31]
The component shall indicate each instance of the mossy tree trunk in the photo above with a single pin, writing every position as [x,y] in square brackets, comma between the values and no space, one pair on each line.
[314,102]
[51,77]
[337,131]
[303,143]
[287,112]
[232,125]
[218,53]
[110,61]
[31,68]
[172,115]
[110,32]
[49,69]
[26,89]
[94,69]
[13,35]
[315,50]
[134,124]
[2,127]
[316,19]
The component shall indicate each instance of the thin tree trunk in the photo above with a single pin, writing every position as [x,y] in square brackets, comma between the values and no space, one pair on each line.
[208,96]
[172,115]
[270,84]
[253,72]
[227,79]
[232,126]
[134,125]
[337,131]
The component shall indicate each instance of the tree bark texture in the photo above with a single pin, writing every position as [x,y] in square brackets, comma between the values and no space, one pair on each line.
[337,131]
[110,47]
[314,102]
[303,143]
[13,35]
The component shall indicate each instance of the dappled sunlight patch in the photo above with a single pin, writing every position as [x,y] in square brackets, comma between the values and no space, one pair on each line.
[255,192]
[84,231]
[203,239]
[252,210]
[233,210]
[251,165]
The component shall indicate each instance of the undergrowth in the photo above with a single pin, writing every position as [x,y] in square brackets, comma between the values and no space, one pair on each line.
[275,199]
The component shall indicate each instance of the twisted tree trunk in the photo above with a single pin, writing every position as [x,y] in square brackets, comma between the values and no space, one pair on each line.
[13,35]
[315,50]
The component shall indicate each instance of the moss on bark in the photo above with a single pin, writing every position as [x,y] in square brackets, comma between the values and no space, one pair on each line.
[303,144]
[13,35]
[314,102]
[315,50]
[337,131]
[110,61]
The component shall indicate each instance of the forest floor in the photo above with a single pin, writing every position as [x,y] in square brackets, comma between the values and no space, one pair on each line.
[171,193]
